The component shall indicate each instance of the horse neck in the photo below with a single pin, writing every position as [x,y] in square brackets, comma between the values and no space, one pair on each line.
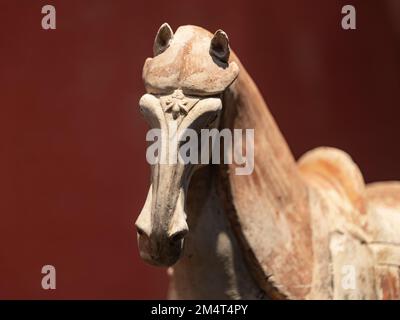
[212,265]
[274,190]
[245,108]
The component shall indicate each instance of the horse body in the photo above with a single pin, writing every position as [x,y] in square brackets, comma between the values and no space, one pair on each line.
[291,230]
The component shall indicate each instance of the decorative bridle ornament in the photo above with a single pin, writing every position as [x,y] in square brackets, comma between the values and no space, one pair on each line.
[177,104]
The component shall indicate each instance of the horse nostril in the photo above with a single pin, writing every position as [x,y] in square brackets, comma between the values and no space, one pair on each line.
[140,231]
[177,236]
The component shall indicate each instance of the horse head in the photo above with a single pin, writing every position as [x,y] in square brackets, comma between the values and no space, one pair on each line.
[184,82]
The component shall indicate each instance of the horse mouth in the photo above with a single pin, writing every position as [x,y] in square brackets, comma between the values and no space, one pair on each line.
[162,227]
[164,255]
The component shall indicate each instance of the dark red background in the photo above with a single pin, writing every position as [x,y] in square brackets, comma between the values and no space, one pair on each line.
[72,168]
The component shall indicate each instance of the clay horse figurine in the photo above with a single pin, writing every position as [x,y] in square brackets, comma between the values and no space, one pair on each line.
[309,229]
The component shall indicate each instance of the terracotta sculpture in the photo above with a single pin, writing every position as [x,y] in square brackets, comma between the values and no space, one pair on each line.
[290,230]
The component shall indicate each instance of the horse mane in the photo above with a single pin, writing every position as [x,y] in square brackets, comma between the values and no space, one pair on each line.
[267,209]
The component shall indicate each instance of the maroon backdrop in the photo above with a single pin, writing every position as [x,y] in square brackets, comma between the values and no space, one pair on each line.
[73,169]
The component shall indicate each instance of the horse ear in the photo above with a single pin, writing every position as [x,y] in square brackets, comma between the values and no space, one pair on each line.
[219,47]
[163,38]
